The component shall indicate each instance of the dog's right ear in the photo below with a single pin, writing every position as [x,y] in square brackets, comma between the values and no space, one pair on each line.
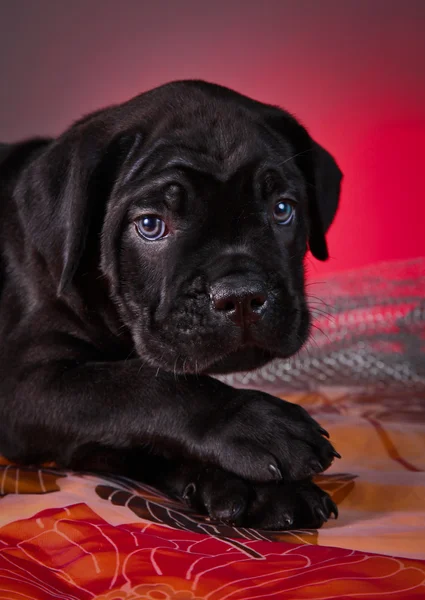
[324,193]
[64,190]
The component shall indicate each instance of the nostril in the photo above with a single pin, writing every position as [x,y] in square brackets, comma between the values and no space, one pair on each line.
[257,301]
[229,305]
[225,304]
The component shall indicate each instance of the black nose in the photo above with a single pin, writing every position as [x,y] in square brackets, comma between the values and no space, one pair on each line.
[243,302]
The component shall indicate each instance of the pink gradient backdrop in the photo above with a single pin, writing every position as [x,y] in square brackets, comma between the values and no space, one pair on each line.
[352,70]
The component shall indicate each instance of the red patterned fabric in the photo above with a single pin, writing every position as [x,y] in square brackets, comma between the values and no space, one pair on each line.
[72,552]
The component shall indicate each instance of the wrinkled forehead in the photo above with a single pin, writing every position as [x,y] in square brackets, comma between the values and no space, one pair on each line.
[218,142]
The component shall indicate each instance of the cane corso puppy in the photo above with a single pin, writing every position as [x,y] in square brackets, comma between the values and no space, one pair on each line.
[152,245]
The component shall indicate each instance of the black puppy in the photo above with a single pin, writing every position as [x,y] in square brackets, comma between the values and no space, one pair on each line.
[152,244]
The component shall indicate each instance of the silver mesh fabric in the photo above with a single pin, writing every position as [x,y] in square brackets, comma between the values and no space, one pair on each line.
[368,332]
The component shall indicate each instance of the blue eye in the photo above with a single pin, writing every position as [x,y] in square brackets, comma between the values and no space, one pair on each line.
[284,212]
[151,227]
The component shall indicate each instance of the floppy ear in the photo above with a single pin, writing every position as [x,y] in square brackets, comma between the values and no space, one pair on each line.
[322,174]
[64,194]
[324,196]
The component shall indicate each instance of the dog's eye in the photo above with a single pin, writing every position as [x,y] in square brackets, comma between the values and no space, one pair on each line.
[284,212]
[151,227]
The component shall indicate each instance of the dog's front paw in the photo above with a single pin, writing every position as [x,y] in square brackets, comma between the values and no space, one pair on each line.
[229,499]
[262,438]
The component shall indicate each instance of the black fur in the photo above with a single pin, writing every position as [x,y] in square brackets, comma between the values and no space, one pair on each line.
[108,340]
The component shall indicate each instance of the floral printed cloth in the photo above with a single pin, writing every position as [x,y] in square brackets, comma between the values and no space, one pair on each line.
[78,536]
[69,536]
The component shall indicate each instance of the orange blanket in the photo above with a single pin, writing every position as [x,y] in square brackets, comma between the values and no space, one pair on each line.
[69,536]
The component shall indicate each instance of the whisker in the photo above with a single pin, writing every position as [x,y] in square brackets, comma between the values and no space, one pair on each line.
[131,352]
[320,300]
[142,364]
[296,155]
[321,331]
[309,283]
[175,367]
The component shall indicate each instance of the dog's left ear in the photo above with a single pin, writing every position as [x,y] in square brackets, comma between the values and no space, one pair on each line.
[324,193]
[321,172]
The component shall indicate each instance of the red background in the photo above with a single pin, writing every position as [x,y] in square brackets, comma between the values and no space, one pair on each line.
[352,70]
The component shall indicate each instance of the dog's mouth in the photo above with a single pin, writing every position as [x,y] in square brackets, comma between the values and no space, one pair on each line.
[227,349]
[246,358]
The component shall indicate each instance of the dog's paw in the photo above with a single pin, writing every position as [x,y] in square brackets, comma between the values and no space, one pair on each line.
[262,438]
[228,499]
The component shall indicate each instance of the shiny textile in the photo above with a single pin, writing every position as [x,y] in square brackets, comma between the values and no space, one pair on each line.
[368,331]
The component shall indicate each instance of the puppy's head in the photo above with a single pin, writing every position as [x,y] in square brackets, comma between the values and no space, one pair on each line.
[202,204]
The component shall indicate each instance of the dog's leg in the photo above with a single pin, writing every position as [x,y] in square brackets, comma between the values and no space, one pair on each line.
[52,410]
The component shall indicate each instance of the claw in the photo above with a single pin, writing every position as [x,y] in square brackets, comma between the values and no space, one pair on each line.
[228,514]
[321,513]
[334,509]
[275,471]
[330,506]
[288,521]
[189,491]
[336,454]
[237,510]
[323,432]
